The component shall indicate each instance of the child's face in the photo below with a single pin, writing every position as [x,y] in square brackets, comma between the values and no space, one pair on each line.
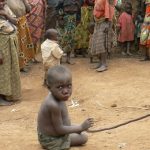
[61,89]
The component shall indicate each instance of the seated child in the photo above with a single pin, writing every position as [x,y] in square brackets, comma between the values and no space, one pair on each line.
[55,131]
[51,51]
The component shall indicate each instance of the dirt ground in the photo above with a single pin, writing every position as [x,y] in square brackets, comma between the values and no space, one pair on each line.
[126,84]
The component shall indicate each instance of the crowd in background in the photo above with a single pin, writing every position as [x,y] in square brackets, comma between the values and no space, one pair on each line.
[84,26]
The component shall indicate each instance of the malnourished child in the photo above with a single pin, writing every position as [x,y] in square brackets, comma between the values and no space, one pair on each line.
[55,131]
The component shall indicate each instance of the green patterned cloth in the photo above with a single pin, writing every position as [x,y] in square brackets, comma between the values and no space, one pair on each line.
[82,33]
[54,143]
[10,84]
[68,32]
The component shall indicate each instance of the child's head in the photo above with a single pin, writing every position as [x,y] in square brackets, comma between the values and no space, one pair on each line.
[91,27]
[51,34]
[2,3]
[128,8]
[59,82]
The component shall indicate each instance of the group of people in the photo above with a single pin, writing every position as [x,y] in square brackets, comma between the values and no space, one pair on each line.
[21,29]
[57,28]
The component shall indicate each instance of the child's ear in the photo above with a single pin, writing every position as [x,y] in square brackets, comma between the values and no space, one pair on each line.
[48,86]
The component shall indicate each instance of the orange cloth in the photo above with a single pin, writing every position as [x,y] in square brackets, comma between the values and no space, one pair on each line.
[102,9]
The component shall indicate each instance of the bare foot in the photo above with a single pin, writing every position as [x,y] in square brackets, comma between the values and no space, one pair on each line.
[129,54]
[96,66]
[3,102]
[101,69]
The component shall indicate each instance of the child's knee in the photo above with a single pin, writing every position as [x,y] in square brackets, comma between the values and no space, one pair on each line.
[84,138]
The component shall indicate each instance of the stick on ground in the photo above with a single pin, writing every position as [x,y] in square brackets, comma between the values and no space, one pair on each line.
[119,125]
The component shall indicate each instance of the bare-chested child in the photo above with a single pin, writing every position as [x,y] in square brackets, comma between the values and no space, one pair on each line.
[55,131]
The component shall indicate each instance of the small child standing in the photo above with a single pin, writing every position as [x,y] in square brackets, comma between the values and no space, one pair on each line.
[126,29]
[51,51]
[55,131]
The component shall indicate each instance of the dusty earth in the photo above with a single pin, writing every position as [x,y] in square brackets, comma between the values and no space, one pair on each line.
[126,84]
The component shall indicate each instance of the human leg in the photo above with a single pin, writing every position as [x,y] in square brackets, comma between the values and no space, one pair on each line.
[68,59]
[146,54]
[124,48]
[128,48]
[78,139]
[103,66]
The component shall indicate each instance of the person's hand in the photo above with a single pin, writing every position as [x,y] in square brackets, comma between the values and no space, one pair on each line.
[28,8]
[87,123]
[1,59]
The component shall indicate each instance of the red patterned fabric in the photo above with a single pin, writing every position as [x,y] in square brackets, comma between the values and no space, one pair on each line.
[36,19]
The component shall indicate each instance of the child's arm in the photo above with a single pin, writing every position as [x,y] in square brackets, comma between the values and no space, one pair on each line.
[61,129]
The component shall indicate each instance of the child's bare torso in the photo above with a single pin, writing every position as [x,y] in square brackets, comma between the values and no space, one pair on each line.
[45,120]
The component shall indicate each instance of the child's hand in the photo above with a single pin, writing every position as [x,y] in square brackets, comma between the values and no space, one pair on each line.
[87,124]
[1,59]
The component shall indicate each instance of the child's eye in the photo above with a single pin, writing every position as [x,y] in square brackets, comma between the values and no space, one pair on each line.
[70,85]
[60,87]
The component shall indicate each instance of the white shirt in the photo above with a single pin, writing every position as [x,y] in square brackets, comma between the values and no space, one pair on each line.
[51,53]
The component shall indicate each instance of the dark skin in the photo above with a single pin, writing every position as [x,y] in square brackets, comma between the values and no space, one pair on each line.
[53,118]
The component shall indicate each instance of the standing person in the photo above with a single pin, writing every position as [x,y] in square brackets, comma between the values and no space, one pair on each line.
[70,8]
[55,131]
[26,50]
[101,45]
[81,32]
[126,29]
[36,22]
[51,14]
[145,32]
[51,51]
[10,87]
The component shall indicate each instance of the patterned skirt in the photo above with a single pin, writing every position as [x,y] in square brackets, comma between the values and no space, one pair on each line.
[26,49]
[101,41]
[10,84]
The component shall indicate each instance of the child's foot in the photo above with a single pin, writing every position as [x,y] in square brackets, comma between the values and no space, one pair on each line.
[101,69]
[130,54]
[124,54]
[3,102]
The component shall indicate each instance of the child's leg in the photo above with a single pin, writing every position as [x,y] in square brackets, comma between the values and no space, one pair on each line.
[124,48]
[78,139]
[128,48]
[68,58]
[146,54]
[99,63]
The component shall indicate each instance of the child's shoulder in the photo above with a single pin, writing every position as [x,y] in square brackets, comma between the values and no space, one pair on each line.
[50,102]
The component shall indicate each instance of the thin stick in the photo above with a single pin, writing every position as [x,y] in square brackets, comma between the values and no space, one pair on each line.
[121,124]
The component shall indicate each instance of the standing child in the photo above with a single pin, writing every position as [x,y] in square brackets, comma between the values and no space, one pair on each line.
[126,27]
[55,131]
[51,51]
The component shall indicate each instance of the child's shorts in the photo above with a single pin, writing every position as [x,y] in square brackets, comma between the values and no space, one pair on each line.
[54,143]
